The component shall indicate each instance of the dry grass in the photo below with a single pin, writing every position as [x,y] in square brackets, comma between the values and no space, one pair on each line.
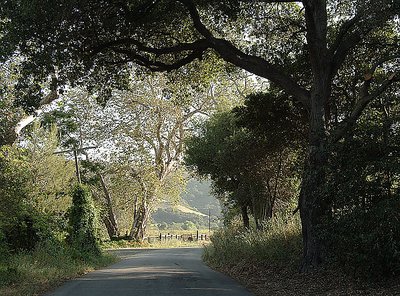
[47,267]
[267,264]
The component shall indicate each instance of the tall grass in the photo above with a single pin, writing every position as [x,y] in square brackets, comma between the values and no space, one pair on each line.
[46,267]
[278,242]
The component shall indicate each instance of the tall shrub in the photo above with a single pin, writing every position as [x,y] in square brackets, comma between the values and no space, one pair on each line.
[82,222]
[362,230]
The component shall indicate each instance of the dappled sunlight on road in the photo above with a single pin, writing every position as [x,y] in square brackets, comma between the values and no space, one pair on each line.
[154,272]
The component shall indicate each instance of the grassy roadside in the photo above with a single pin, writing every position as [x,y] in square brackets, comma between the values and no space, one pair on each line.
[173,243]
[52,263]
[45,268]
[267,264]
[168,240]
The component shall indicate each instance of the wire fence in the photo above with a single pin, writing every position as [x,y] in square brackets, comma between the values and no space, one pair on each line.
[190,237]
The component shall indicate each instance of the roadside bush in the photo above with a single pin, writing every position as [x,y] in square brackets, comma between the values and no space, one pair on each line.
[279,242]
[24,231]
[4,250]
[362,232]
[367,244]
[82,234]
[27,187]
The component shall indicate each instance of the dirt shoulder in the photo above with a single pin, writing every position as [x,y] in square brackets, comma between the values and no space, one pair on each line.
[264,279]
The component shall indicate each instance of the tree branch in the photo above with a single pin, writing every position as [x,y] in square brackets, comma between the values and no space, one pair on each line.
[253,64]
[346,26]
[365,99]
[181,47]
[157,65]
[347,39]
[343,48]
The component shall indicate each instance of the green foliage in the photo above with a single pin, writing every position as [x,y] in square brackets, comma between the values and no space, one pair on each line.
[279,242]
[82,232]
[33,186]
[250,152]
[20,224]
[363,230]
[50,174]
[188,225]
[26,230]
[9,113]
[4,249]
[367,243]
[272,116]
[14,176]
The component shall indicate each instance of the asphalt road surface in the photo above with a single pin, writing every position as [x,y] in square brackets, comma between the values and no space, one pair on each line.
[151,272]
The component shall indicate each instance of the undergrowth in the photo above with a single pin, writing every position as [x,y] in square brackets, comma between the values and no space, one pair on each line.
[278,243]
[48,265]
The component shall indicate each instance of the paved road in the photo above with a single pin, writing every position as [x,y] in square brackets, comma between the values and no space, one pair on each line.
[152,272]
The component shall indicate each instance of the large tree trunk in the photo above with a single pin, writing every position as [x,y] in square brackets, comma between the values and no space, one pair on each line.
[141,211]
[312,209]
[141,217]
[139,224]
[110,219]
[312,201]
[112,230]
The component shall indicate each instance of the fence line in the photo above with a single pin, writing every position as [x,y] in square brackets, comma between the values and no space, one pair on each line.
[182,237]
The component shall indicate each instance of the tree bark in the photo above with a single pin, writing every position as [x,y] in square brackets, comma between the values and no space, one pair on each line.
[311,200]
[245,216]
[139,225]
[110,220]
[312,203]
[141,212]
[111,231]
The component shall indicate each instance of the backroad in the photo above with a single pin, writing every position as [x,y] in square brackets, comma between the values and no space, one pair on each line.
[152,272]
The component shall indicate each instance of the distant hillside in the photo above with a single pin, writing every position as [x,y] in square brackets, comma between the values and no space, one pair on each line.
[192,211]
[198,196]
[186,210]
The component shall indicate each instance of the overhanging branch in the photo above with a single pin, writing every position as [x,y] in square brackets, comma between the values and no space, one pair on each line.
[127,43]
[155,65]
[361,105]
[253,64]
